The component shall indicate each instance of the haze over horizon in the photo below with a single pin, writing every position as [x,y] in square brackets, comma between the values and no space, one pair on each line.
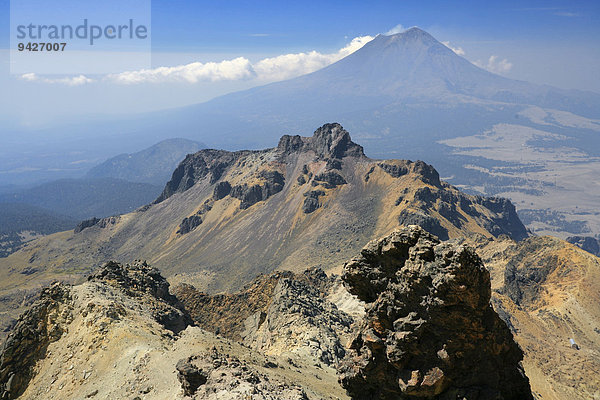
[220,49]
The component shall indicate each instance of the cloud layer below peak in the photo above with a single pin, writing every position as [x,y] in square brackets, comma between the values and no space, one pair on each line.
[266,70]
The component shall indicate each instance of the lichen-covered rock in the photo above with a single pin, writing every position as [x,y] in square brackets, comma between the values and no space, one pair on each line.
[429,329]
[41,325]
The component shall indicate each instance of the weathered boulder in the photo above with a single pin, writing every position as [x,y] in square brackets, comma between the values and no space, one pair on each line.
[429,329]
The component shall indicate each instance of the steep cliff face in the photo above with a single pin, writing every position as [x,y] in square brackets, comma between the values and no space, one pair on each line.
[196,166]
[429,329]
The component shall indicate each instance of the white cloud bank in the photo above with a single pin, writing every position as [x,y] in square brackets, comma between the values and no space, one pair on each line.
[236,69]
[69,81]
[495,65]
[266,70]
[457,50]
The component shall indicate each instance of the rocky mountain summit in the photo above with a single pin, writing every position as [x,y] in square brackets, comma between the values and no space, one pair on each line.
[226,217]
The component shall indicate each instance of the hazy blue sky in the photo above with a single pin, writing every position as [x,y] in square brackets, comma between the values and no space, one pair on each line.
[253,42]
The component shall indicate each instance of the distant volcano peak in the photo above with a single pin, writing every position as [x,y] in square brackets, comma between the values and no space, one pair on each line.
[411,35]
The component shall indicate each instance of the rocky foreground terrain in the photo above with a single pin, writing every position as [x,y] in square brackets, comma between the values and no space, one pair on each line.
[241,315]
[420,326]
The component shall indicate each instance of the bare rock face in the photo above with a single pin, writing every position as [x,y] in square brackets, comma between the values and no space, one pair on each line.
[197,166]
[329,142]
[429,329]
[273,183]
[41,325]
[311,201]
[300,321]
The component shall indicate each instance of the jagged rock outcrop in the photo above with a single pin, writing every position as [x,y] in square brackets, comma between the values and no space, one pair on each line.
[142,281]
[272,183]
[311,202]
[589,244]
[88,223]
[100,222]
[300,321]
[41,325]
[221,376]
[197,166]
[429,329]
[426,171]
[189,224]
[221,190]
[330,141]
[329,180]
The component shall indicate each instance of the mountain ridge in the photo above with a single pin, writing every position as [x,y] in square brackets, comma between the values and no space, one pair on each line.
[148,165]
[223,220]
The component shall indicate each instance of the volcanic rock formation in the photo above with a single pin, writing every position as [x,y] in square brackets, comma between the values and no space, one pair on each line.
[429,330]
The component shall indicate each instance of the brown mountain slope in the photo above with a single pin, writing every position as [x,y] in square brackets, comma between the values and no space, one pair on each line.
[225,217]
[548,291]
